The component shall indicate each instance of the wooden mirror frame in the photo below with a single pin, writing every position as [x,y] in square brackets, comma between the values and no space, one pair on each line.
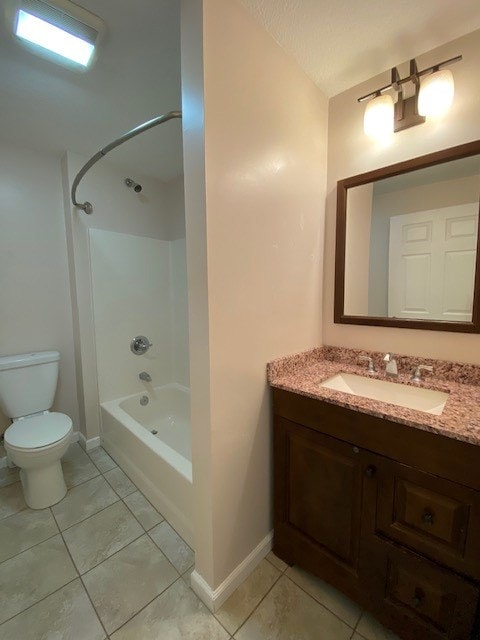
[446,155]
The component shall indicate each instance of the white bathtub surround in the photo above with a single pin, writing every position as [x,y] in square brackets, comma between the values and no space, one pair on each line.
[159,464]
[131,297]
[215,598]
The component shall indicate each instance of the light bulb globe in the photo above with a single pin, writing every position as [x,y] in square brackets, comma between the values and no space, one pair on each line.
[436,94]
[378,117]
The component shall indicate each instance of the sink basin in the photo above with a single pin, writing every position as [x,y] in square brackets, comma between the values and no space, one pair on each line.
[401,395]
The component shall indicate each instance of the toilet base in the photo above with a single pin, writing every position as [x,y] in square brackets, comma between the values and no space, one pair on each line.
[43,487]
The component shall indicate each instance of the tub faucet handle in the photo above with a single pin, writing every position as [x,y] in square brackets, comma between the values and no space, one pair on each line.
[139,345]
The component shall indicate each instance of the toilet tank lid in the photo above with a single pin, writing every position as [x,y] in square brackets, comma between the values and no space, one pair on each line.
[28,359]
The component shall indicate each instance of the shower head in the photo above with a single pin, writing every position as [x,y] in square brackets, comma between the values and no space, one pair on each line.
[131,183]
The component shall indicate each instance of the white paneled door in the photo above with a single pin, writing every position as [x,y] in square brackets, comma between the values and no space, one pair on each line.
[432,260]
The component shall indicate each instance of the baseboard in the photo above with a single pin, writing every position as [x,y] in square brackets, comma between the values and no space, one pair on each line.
[88,444]
[214,598]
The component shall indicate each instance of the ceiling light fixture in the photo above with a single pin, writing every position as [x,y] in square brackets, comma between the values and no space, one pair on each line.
[58,30]
[432,97]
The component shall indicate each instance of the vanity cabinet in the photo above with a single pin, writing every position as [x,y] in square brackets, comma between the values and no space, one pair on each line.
[388,514]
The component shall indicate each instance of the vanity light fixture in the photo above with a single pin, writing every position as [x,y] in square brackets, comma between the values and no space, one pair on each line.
[433,96]
[58,30]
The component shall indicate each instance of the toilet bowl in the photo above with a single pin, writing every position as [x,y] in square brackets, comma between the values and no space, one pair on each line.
[37,438]
[36,444]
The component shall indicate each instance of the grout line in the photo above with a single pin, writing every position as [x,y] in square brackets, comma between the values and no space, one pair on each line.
[148,603]
[80,577]
[90,516]
[93,461]
[358,621]
[113,554]
[19,613]
[145,530]
[23,508]
[113,488]
[151,505]
[33,545]
[273,565]
[137,490]
[324,605]
[256,607]
[186,570]
[171,527]
[93,606]
[80,483]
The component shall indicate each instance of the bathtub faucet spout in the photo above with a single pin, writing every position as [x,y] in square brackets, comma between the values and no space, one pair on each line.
[145,376]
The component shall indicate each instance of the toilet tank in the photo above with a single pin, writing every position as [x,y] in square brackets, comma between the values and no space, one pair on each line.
[28,382]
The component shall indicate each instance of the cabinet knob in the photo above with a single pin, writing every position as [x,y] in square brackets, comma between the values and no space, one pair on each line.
[418,598]
[427,517]
[370,471]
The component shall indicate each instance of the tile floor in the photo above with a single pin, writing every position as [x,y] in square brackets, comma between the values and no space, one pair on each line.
[103,563]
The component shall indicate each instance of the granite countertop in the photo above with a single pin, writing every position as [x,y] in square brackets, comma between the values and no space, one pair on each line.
[303,373]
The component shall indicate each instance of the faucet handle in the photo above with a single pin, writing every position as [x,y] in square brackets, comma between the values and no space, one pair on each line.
[371,366]
[417,376]
[388,357]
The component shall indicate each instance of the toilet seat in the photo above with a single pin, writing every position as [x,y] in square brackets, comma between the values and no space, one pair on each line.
[38,431]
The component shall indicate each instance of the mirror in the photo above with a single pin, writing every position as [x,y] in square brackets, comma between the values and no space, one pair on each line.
[407,244]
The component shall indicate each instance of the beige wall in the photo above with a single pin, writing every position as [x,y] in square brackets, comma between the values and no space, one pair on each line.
[350,152]
[35,312]
[265,155]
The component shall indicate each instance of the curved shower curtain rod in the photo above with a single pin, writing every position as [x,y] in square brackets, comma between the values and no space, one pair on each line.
[87,206]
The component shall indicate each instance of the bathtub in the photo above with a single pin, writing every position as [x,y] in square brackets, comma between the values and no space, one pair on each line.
[152,444]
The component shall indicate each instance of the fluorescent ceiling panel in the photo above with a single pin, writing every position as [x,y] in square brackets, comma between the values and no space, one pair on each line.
[48,36]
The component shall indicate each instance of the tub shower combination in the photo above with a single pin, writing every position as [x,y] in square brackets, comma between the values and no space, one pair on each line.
[148,433]
[151,441]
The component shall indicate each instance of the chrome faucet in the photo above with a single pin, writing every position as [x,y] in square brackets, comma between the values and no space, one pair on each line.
[371,366]
[417,376]
[145,376]
[391,368]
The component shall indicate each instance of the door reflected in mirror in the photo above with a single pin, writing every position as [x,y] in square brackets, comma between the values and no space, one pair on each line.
[409,243]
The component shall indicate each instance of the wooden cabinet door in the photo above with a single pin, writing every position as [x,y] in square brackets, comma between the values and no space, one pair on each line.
[318,500]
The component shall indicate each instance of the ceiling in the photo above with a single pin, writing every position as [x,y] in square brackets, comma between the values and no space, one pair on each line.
[338,43]
[135,78]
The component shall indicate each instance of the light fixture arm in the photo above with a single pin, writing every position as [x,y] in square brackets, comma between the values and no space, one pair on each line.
[414,77]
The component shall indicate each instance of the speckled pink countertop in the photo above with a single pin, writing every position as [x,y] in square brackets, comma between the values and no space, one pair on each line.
[304,372]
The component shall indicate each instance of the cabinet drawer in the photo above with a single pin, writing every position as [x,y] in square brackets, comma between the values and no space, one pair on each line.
[431,602]
[436,517]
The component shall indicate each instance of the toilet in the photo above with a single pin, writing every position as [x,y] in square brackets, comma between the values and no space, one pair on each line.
[37,438]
